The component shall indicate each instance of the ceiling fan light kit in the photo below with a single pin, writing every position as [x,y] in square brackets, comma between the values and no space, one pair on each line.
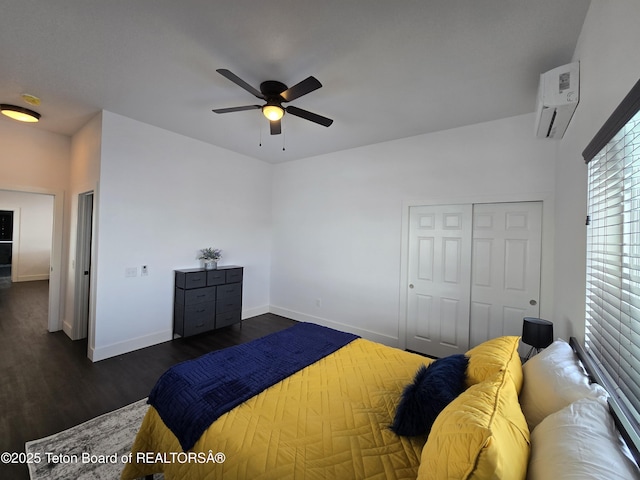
[275,93]
[273,112]
[19,113]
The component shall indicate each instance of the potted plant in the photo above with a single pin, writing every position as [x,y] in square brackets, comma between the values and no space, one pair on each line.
[210,257]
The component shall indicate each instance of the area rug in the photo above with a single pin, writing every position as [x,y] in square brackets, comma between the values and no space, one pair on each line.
[96,449]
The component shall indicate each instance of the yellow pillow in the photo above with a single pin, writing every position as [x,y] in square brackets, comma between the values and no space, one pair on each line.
[482,434]
[494,356]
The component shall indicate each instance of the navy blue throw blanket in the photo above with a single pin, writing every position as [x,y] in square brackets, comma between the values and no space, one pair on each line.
[191,395]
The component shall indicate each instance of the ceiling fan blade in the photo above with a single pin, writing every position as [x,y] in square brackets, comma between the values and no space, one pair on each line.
[307,85]
[276,127]
[238,81]
[236,109]
[313,117]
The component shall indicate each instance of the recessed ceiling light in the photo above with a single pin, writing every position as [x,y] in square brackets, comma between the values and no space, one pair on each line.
[19,113]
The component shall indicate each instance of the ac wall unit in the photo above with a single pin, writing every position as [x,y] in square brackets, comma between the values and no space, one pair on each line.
[558,96]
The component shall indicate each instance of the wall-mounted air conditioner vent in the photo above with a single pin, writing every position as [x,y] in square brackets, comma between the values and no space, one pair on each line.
[558,96]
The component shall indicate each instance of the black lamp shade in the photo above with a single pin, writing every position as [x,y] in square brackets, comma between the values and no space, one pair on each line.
[537,332]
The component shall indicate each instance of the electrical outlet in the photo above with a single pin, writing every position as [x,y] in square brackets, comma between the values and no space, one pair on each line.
[144,271]
[131,272]
[318,302]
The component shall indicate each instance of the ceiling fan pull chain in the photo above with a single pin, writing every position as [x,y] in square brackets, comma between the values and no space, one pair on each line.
[260,144]
[284,138]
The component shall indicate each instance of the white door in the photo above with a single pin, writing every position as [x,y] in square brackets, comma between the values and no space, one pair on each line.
[473,274]
[439,279]
[506,268]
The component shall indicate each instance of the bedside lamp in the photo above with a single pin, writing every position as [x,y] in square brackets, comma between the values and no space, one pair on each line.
[536,332]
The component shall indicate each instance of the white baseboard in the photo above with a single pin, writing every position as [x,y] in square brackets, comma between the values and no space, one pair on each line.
[32,278]
[67,328]
[364,333]
[254,312]
[108,351]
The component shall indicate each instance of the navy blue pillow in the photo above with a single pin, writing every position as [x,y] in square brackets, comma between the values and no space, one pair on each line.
[433,388]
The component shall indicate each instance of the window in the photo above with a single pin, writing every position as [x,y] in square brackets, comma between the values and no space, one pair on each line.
[612,333]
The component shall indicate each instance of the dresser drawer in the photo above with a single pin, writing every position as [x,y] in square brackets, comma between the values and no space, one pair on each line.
[216,277]
[228,318]
[198,322]
[195,311]
[196,295]
[230,290]
[191,279]
[228,304]
[192,319]
[234,275]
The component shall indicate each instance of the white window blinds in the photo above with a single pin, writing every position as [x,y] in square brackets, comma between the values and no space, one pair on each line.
[612,332]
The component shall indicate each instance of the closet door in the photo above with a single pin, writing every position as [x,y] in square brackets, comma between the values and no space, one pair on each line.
[473,274]
[439,279]
[506,268]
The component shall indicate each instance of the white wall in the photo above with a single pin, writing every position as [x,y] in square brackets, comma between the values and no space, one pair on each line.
[33,220]
[609,67]
[33,160]
[161,198]
[338,217]
[84,177]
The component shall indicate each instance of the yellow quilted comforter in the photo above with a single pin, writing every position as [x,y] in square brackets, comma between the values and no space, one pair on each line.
[329,420]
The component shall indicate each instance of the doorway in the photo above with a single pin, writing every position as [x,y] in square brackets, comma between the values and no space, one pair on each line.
[83,266]
[54,248]
[6,246]
[473,273]
[26,230]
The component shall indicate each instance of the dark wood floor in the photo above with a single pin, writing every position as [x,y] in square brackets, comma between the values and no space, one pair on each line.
[47,383]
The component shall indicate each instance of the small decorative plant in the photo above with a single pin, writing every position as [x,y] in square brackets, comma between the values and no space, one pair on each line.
[210,254]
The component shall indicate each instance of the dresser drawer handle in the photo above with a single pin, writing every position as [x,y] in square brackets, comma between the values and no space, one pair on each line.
[201,311]
[201,296]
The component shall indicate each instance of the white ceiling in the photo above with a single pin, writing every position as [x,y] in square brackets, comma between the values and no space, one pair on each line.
[390,68]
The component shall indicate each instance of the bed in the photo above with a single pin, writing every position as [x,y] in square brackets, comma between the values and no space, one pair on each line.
[358,411]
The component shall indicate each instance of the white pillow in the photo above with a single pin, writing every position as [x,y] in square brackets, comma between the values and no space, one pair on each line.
[552,380]
[580,442]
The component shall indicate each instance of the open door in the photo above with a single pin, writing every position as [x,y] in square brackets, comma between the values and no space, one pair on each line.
[83,265]
[6,246]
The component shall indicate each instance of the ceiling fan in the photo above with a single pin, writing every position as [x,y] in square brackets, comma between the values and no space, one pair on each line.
[275,93]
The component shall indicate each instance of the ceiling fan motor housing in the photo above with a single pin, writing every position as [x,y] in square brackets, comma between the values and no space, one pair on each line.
[272,89]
